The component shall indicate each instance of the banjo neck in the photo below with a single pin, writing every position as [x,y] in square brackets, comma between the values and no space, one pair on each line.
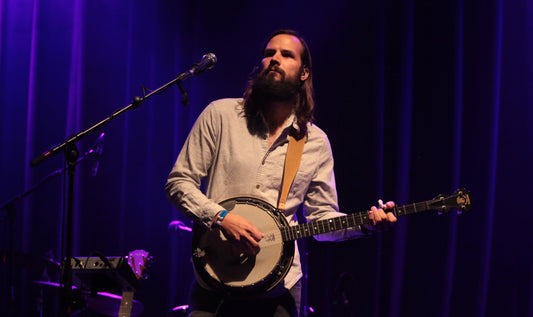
[459,200]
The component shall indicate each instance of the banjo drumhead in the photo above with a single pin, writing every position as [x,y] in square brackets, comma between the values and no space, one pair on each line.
[222,263]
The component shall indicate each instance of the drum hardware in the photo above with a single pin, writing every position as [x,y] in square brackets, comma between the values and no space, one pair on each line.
[30,262]
[100,302]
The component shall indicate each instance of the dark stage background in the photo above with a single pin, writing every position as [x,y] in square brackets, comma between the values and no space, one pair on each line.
[417,97]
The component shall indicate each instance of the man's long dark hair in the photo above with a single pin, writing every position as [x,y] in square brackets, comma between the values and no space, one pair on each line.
[305,104]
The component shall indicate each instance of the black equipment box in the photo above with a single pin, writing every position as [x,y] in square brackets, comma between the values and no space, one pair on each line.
[112,274]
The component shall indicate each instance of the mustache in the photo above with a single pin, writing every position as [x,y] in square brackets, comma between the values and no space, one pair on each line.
[275,68]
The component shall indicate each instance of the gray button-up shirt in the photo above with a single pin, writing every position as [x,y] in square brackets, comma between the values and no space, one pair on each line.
[232,162]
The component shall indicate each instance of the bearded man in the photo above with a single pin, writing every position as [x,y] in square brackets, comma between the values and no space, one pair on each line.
[238,148]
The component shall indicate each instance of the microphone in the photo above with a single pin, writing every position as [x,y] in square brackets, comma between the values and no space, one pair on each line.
[178,225]
[97,151]
[208,61]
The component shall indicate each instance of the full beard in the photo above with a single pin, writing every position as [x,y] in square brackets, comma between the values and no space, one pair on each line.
[266,88]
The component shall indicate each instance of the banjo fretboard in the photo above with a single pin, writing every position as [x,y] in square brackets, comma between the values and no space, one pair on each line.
[440,203]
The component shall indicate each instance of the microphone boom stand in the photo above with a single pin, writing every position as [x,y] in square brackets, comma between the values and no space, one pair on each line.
[71,156]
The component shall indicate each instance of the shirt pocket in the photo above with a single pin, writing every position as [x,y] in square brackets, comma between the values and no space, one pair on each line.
[301,182]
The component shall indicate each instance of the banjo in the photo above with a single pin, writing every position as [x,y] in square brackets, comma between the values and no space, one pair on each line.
[221,267]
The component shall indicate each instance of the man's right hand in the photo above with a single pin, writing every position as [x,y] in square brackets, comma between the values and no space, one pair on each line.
[242,233]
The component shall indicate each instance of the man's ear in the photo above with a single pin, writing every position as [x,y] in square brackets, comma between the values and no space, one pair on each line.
[304,74]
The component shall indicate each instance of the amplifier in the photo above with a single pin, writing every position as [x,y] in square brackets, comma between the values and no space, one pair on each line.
[112,274]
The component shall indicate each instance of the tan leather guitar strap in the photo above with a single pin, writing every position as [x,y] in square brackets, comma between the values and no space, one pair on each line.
[292,162]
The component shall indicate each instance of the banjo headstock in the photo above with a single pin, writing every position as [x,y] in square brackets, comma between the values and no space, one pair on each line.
[461,200]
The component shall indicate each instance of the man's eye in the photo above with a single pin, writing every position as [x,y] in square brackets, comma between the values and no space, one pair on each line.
[288,54]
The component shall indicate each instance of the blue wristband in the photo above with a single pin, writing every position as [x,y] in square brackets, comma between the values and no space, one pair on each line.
[221,216]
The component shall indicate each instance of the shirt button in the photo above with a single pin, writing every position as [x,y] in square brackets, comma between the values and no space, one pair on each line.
[257,186]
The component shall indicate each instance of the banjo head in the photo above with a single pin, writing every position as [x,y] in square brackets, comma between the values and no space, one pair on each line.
[219,265]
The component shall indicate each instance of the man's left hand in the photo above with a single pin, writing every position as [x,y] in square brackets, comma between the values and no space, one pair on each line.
[381,220]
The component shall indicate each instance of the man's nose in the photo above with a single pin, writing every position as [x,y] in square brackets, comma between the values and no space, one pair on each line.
[274,60]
